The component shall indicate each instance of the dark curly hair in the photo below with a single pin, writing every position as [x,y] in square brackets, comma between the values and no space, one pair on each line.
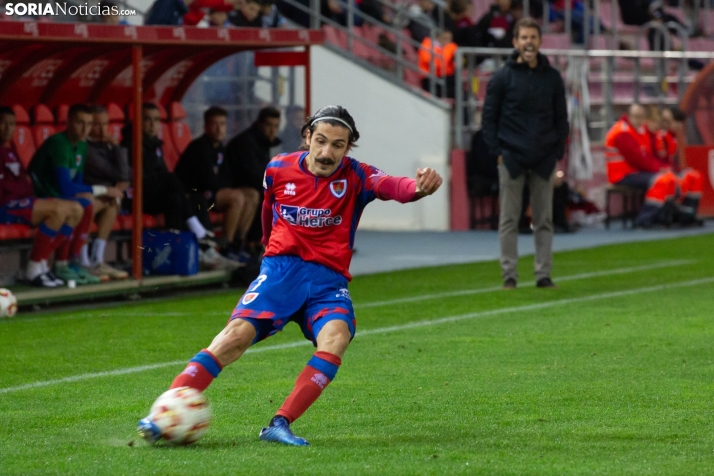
[342,118]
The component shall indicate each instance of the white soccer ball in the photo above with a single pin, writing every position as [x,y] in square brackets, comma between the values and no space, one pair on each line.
[182,415]
[8,303]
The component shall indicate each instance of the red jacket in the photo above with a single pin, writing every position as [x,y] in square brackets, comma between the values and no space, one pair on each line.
[627,152]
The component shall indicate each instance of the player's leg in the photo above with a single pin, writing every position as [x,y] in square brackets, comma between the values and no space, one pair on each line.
[71,249]
[108,210]
[510,199]
[330,323]
[691,184]
[48,215]
[261,312]
[226,348]
[239,206]
[230,202]
[542,208]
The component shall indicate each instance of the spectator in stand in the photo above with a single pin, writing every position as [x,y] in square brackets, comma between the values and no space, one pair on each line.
[109,14]
[639,12]
[525,124]
[291,135]
[57,170]
[183,12]
[107,165]
[167,12]
[270,15]
[494,29]
[374,9]
[296,15]
[425,16]
[577,17]
[672,133]
[247,14]
[461,12]
[215,19]
[55,219]
[444,50]
[247,155]
[200,170]
[163,192]
[632,161]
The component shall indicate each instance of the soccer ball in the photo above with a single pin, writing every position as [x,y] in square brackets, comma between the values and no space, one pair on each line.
[182,415]
[8,303]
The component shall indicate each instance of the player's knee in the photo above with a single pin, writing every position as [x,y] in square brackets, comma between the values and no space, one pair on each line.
[238,335]
[334,337]
[236,198]
[253,195]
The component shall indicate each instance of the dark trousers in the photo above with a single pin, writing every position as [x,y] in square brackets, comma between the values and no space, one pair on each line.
[164,193]
[199,206]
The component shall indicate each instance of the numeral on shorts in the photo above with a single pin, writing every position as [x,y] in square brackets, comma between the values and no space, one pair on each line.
[259,281]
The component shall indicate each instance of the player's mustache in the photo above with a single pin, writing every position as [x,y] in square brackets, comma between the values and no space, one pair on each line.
[325,161]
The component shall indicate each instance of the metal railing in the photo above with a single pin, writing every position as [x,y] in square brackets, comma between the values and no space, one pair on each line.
[397,63]
[660,83]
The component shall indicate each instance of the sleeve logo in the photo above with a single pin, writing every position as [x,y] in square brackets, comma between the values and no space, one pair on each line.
[338,188]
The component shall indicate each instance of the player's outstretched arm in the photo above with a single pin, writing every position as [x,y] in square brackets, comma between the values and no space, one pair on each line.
[428,181]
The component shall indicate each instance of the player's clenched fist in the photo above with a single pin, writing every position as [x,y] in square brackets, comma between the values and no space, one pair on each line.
[428,181]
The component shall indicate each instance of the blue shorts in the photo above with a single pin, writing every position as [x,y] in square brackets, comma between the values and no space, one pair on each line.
[17,211]
[290,289]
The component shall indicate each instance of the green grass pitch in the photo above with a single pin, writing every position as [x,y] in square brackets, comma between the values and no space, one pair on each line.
[611,373]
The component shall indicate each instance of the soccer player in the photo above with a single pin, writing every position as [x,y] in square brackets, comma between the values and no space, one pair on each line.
[313,203]
[55,219]
[57,170]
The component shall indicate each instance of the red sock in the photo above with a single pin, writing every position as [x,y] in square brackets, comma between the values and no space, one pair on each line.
[318,373]
[200,372]
[62,243]
[62,238]
[81,232]
[44,243]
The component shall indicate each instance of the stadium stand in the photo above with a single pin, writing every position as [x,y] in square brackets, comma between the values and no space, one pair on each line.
[22,140]
[116,120]
[180,132]
[43,123]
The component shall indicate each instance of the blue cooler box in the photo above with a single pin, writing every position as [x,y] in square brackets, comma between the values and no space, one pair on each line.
[168,252]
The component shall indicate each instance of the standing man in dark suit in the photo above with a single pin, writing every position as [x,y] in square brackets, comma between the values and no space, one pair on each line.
[525,124]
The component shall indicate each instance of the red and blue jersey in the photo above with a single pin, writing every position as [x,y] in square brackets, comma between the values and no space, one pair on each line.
[314,217]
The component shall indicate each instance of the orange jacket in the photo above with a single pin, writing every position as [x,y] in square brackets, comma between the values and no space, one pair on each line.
[628,151]
[442,55]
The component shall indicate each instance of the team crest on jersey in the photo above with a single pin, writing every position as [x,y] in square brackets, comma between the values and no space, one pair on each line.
[289,189]
[158,152]
[338,188]
[220,158]
[78,158]
[249,298]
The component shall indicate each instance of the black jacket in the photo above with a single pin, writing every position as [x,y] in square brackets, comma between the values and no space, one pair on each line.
[635,12]
[479,35]
[199,166]
[247,155]
[152,155]
[525,118]
[107,164]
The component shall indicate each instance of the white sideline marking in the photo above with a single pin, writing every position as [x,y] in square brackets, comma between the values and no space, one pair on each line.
[380,330]
[464,292]
[574,277]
